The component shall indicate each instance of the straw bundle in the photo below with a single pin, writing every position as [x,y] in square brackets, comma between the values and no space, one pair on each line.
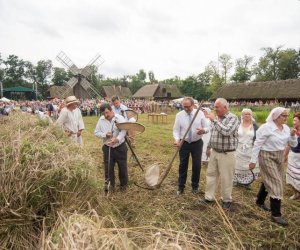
[40,172]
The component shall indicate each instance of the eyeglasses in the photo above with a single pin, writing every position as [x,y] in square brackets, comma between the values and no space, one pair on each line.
[186,107]
[285,116]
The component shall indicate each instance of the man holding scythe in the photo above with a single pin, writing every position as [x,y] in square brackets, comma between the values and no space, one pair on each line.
[192,144]
[114,148]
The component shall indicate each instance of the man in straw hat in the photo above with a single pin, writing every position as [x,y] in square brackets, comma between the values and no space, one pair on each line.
[70,119]
[114,148]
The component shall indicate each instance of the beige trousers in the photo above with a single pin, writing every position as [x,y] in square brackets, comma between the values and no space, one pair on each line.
[221,166]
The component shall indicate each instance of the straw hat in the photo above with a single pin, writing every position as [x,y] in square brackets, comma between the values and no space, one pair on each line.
[71,99]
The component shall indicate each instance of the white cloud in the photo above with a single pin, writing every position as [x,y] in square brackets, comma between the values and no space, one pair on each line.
[169,37]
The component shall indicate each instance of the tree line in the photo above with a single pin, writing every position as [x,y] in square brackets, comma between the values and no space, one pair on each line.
[275,64]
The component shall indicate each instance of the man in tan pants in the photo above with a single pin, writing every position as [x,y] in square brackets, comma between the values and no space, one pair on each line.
[222,146]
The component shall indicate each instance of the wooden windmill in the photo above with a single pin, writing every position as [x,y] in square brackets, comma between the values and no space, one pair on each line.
[80,83]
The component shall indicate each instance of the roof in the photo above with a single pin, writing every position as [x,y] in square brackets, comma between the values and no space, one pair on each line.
[159,91]
[146,91]
[60,91]
[18,89]
[283,89]
[110,91]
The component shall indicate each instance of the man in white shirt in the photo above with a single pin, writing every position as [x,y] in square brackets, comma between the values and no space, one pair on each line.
[71,120]
[192,145]
[118,107]
[114,147]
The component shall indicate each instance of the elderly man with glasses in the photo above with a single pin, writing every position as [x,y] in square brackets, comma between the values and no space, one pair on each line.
[192,144]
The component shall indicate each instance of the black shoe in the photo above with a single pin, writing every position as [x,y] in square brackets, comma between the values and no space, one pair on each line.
[226,205]
[179,192]
[279,220]
[123,188]
[195,191]
[205,202]
[263,207]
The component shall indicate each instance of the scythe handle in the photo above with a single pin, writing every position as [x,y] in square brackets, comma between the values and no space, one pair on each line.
[166,172]
[132,151]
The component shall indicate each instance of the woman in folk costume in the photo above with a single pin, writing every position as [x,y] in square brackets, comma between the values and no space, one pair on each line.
[271,139]
[293,154]
[70,119]
[246,137]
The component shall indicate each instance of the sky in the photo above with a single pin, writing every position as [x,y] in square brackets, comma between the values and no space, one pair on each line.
[169,37]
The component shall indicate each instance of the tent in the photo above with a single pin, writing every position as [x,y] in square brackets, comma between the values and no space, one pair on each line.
[4,99]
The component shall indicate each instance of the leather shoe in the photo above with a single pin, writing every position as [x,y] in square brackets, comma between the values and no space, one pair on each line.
[226,205]
[279,220]
[263,207]
[195,191]
[205,202]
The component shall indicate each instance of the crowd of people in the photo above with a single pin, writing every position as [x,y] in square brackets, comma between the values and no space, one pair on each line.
[237,150]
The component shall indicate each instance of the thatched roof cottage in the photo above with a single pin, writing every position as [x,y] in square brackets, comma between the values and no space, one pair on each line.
[158,91]
[109,91]
[283,90]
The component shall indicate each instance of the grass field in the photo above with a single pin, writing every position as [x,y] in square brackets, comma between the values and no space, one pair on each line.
[181,219]
[52,198]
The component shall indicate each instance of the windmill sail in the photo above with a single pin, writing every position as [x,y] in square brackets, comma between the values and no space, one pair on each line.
[67,62]
[80,84]
[72,82]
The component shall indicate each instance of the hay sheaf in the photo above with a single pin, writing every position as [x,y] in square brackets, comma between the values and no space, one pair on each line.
[41,172]
[91,231]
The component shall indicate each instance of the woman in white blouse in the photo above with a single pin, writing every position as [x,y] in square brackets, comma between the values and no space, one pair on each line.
[271,139]
[246,136]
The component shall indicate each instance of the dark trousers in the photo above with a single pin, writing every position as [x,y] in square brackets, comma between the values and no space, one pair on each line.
[274,203]
[195,150]
[117,155]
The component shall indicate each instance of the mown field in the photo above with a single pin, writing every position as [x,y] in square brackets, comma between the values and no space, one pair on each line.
[52,198]
[243,226]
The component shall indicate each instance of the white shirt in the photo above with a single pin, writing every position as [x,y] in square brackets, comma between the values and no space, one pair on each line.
[182,122]
[104,126]
[71,120]
[270,138]
[120,110]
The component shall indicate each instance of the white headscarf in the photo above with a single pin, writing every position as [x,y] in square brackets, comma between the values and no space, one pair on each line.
[275,113]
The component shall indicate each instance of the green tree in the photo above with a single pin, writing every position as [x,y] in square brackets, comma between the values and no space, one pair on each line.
[151,77]
[196,86]
[1,69]
[141,75]
[60,76]
[243,71]
[215,79]
[14,71]
[288,64]
[267,68]
[43,76]
[226,65]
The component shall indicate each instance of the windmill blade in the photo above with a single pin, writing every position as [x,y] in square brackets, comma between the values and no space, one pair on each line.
[94,63]
[72,82]
[87,70]
[89,87]
[85,83]
[67,62]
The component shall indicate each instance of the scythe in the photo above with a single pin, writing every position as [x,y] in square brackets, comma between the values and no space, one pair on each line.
[152,178]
